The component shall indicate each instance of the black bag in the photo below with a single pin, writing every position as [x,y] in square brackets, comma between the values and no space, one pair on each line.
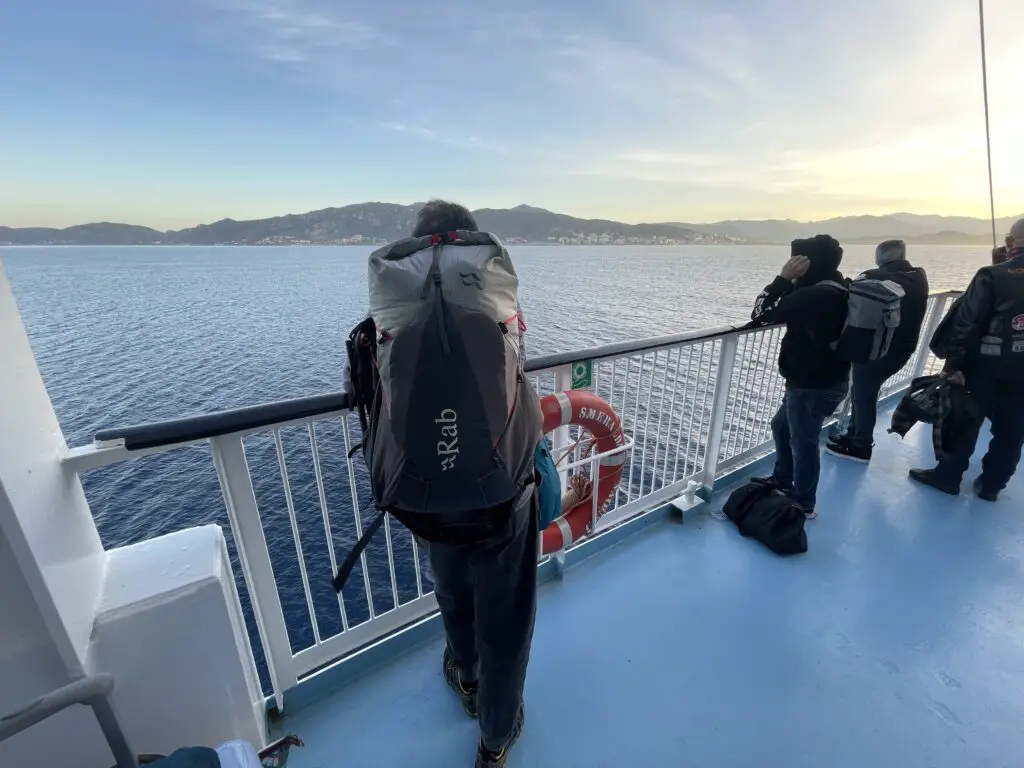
[366,399]
[772,518]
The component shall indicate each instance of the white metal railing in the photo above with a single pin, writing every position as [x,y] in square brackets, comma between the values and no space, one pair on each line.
[695,408]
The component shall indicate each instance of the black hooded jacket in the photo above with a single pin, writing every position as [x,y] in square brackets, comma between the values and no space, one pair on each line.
[814,313]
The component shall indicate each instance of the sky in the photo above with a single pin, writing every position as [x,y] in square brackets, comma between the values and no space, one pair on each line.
[169,113]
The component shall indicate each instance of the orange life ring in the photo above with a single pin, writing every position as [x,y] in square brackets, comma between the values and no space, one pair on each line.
[587,410]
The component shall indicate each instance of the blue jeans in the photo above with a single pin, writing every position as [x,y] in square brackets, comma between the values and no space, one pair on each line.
[797,432]
[868,379]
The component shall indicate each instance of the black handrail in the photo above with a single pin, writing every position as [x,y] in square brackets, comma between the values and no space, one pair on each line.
[191,429]
[630,347]
[203,426]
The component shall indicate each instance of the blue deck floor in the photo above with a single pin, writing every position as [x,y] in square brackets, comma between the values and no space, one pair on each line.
[897,640]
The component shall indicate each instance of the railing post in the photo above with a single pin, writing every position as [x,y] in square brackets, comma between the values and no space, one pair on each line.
[844,411]
[723,383]
[559,445]
[254,558]
[926,334]
[560,436]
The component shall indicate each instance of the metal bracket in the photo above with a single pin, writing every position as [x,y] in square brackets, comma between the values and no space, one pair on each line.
[688,500]
[559,560]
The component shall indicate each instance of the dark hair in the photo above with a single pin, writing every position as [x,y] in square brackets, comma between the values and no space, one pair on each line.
[439,216]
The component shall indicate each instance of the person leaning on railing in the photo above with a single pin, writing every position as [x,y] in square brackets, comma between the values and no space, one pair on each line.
[816,378]
[982,342]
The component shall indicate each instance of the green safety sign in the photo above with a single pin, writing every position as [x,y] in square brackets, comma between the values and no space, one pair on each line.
[582,374]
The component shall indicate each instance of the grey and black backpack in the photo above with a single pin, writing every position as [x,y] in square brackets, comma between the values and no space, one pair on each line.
[450,422]
[872,317]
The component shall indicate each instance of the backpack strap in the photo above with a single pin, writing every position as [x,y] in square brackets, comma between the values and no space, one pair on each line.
[410,245]
[834,284]
[345,570]
[833,345]
[361,349]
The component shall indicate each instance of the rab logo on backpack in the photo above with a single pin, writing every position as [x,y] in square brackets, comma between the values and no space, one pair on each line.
[448,451]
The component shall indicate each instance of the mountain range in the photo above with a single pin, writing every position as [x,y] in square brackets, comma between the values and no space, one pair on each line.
[384,222]
[905,226]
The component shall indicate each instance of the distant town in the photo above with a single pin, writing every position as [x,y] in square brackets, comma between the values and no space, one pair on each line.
[686,237]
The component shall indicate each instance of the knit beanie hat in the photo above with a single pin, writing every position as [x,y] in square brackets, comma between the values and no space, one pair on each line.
[889,251]
[1017,233]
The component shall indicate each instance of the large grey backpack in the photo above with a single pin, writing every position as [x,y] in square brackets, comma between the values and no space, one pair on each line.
[451,434]
[872,317]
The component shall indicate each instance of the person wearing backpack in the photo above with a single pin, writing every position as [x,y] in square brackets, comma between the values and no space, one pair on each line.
[982,342]
[809,297]
[870,375]
[451,427]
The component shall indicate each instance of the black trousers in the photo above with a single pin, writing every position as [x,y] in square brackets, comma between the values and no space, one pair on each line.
[1002,402]
[487,593]
[868,379]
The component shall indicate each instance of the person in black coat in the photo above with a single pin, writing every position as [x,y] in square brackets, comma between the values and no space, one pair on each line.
[982,342]
[868,378]
[809,296]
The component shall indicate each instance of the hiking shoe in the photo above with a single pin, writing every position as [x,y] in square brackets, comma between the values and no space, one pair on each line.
[465,691]
[983,493]
[931,478]
[845,449]
[771,482]
[836,434]
[485,758]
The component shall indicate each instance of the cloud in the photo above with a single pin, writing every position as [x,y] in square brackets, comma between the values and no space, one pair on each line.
[297,31]
[281,53]
[416,130]
[844,100]
[655,157]
[470,142]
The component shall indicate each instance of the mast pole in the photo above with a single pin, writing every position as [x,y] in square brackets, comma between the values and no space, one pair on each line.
[988,131]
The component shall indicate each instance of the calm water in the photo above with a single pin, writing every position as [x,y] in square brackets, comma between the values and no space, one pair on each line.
[136,334]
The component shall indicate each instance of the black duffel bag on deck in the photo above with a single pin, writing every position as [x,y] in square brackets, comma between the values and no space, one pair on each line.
[769,516]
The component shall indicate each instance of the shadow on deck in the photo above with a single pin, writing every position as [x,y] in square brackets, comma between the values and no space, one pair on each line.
[897,640]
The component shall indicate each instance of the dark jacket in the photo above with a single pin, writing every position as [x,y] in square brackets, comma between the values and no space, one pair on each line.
[814,315]
[914,282]
[984,330]
[948,407]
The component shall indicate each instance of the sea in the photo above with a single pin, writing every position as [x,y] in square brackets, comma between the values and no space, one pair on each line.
[129,335]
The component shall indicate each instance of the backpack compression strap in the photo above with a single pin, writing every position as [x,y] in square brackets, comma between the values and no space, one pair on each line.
[350,560]
[834,284]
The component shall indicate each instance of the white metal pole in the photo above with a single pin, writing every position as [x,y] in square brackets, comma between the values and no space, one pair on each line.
[938,310]
[723,385]
[254,557]
[560,436]
[988,131]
